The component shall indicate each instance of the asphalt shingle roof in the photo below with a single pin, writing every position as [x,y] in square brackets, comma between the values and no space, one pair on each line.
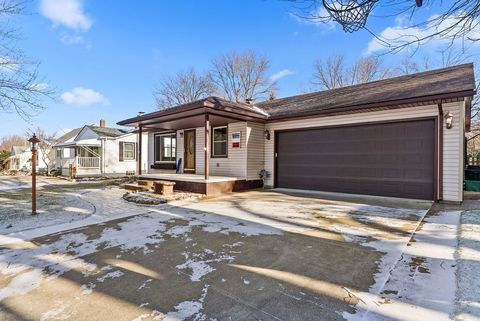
[108,131]
[430,83]
[71,134]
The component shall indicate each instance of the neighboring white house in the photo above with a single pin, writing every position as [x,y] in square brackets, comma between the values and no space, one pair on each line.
[97,151]
[20,159]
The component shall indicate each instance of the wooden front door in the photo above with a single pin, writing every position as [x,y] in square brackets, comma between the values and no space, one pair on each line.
[189,151]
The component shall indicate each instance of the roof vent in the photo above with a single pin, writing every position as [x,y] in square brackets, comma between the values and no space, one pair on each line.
[249,100]
[140,113]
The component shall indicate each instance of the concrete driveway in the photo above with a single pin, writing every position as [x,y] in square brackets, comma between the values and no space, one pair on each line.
[258,255]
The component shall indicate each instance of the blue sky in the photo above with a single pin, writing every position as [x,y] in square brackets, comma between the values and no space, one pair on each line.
[104,58]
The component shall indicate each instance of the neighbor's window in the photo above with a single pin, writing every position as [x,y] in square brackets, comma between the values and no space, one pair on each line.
[59,153]
[165,147]
[128,151]
[219,142]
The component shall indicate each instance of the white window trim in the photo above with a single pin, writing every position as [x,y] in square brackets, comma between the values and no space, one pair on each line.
[125,158]
[219,141]
[155,161]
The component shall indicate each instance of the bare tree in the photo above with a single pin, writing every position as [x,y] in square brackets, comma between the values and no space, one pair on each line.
[335,73]
[458,19]
[408,66]
[184,87]
[45,146]
[21,90]
[243,76]
[7,142]
[331,74]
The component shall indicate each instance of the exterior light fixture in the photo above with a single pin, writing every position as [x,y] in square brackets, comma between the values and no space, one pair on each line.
[267,134]
[33,145]
[448,120]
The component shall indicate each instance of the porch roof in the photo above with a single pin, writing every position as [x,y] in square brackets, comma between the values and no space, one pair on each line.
[191,115]
[76,144]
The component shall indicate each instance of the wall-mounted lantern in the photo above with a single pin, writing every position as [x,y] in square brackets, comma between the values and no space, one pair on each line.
[448,120]
[267,134]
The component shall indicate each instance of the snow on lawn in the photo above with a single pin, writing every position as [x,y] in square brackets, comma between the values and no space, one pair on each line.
[53,208]
[61,210]
[468,270]
[8,183]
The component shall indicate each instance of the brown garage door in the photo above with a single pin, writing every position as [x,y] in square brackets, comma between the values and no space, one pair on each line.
[387,159]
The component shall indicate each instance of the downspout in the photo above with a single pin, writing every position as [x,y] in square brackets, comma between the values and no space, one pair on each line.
[439,191]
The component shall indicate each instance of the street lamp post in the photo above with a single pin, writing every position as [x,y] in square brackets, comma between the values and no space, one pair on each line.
[33,144]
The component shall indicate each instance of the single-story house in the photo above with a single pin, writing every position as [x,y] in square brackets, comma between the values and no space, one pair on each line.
[96,151]
[398,137]
[20,159]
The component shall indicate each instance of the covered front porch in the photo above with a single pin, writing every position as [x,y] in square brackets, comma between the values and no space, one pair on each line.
[197,183]
[77,160]
[208,146]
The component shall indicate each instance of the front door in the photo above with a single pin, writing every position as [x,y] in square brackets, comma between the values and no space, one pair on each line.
[189,146]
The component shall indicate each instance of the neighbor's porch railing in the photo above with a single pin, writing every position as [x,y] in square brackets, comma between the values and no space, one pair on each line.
[88,162]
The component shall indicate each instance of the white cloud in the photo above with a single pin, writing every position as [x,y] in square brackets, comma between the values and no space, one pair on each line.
[83,97]
[320,18]
[68,13]
[279,75]
[402,34]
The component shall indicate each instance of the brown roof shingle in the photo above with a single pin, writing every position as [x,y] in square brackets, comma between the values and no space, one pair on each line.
[458,79]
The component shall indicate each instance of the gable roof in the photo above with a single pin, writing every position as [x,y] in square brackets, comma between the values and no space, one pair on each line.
[19,149]
[107,131]
[71,134]
[458,81]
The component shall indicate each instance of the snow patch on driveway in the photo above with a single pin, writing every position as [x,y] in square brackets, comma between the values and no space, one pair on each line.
[421,285]
[468,271]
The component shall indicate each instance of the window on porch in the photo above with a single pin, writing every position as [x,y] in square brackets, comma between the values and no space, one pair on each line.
[219,142]
[165,147]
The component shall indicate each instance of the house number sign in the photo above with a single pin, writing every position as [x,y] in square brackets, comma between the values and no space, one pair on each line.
[236,139]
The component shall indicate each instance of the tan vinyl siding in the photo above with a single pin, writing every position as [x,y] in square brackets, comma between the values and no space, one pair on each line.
[179,149]
[199,151]
[453,153]
[255,149]
[453,139]
[235,164]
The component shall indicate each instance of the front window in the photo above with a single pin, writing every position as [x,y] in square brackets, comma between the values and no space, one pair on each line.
[165,147]
[128,151]
[219,142]
[88,151]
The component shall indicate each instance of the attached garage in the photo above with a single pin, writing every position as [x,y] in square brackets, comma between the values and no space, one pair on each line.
[399,137]
[389,159]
